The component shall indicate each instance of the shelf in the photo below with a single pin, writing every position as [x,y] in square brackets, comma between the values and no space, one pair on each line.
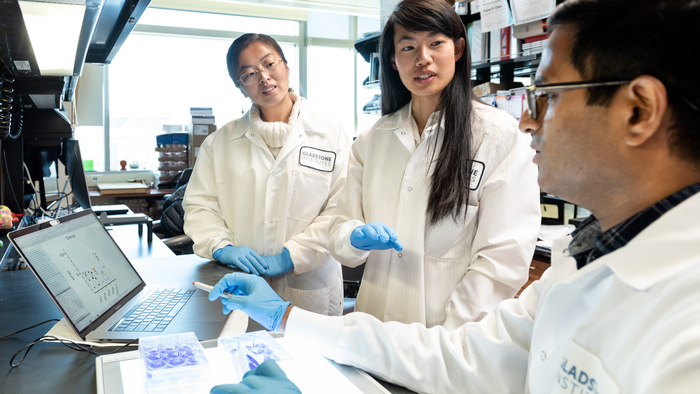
[521,66]
[368,44]
[372,85]
[521,62]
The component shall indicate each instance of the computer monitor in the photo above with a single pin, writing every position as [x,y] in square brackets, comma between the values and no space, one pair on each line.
[76,174]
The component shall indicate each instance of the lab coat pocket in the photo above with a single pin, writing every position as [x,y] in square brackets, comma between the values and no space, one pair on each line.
[317,301]
[452,238]
[307,195]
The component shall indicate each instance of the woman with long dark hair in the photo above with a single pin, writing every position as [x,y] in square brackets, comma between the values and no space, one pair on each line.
[442,201]
[265,186]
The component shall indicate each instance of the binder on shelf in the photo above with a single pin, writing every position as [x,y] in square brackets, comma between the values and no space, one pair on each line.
[505,43]
[477,41]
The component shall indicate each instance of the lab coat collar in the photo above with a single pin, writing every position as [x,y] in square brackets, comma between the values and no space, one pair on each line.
[244,128]
[301,123]
[401,123]
[241,127]
[662,250]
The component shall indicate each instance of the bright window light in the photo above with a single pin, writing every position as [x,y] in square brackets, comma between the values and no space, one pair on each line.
[201,20]
[53,30]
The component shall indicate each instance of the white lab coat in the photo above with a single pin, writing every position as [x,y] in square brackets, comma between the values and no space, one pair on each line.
[629,322]
[239,194]
[455,271]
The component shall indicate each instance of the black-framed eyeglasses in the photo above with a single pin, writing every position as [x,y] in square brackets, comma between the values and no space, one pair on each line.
[533,92]
[268,68]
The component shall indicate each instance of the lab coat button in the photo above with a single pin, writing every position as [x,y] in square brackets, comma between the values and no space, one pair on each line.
[400,255]
[403,133]
[543,355]
[252,135]
[270,221]
[410,188]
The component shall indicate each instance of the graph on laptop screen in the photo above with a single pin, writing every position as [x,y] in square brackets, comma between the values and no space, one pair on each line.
[81,266]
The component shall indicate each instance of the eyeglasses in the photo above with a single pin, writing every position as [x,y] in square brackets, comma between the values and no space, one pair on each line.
[269,68]
[533,93]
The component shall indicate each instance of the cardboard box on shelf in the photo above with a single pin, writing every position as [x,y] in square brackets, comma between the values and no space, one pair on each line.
[199,133]
[487,88]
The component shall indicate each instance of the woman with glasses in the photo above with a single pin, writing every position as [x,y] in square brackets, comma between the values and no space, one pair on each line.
[265,186]
[442,201]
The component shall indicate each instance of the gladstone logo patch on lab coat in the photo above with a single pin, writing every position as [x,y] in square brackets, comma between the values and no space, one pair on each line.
[317,159]
[582,372]
[476,174]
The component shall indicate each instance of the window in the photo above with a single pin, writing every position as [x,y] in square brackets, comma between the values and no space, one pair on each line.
[174,60]
[329,88]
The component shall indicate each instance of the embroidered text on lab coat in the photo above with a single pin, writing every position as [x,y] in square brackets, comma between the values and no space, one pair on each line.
[582,372]
[317,159]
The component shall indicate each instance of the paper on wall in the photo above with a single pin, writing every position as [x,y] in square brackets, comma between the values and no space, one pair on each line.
[531,10]
[476,7]
[495,15]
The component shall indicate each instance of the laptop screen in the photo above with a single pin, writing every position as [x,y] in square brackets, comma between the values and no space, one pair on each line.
[80,265]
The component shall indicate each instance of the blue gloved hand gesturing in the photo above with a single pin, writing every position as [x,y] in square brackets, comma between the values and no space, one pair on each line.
[268,378]
[278,264]
[253,296]
[374,236]
[241,257]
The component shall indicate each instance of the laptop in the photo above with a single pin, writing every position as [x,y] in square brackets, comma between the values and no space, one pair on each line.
[99,291]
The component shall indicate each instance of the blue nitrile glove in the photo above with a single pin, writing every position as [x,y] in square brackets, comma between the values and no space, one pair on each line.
[241,257]
[268,378]
[277,264]
[375,236]
[253,296]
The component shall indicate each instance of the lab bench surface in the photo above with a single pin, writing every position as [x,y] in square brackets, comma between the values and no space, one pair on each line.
[51,367]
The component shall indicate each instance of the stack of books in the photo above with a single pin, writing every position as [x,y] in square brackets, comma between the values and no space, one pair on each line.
[202,115]
[534,45]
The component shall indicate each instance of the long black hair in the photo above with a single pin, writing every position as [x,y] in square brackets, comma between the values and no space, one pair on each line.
[449,190]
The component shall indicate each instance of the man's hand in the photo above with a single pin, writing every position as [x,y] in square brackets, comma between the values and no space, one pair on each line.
[252,295]
[268,378]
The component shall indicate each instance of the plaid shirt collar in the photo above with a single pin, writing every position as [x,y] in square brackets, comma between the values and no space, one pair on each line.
[590,242]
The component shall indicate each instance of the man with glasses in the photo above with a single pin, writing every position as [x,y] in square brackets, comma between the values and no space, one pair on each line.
[615,125]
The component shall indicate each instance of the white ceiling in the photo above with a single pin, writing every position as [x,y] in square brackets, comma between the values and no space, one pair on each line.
[287,9]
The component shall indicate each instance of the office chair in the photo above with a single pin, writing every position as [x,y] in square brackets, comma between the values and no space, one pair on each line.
[351,285]
[169,227]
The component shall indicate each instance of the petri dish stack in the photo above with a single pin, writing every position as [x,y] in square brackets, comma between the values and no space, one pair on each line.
[249,350]
[173,363]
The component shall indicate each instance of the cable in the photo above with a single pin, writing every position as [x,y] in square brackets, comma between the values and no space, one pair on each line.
[9,180]
[125,345]
[25,329]
[50,338]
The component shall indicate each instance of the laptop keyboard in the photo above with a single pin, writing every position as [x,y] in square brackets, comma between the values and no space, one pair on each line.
[155,312]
